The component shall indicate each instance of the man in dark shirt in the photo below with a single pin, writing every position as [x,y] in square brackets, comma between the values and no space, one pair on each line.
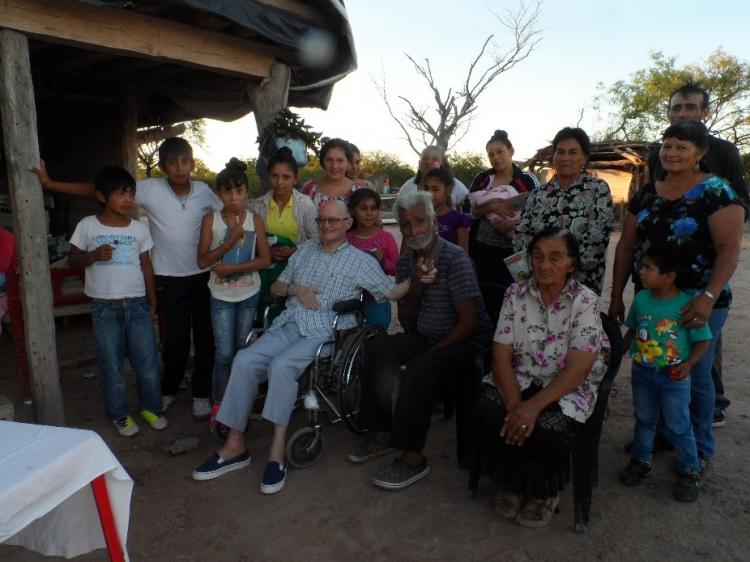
[445,326]
[690,103]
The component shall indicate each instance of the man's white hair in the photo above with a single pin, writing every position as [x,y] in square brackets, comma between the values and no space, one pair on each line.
[416,198]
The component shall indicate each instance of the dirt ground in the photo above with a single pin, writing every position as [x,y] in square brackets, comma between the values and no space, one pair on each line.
[332,512]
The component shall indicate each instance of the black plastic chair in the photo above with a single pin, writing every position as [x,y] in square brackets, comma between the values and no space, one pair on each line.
[585,448]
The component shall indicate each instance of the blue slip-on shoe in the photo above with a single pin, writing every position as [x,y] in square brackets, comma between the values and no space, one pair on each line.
[216,466]
[273,478]
[400,474]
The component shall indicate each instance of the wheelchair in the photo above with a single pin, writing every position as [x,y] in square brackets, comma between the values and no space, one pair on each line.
[331,384]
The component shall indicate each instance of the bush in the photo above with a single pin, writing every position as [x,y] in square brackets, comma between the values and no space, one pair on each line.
[467,165]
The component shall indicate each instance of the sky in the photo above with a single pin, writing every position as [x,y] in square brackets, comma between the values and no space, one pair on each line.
[583,43]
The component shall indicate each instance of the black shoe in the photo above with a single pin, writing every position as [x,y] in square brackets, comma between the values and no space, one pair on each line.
[687,487]
[661,443]
[636,471]
[720,418]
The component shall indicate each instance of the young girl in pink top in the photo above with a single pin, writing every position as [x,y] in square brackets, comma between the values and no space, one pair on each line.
[367,235]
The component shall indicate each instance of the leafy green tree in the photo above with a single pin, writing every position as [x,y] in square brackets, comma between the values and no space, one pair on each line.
[381,163]
[148,150]
[467,165]
[639,104]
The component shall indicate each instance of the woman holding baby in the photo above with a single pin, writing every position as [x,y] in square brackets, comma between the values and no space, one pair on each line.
[575,201]
[497,195]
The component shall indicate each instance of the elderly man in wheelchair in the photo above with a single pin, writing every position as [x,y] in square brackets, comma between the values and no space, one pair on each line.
[321,273]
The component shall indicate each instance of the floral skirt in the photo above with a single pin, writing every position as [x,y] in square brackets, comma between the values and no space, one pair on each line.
[539,468]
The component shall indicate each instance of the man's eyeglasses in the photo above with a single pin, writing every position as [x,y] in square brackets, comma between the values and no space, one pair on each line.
[328,220]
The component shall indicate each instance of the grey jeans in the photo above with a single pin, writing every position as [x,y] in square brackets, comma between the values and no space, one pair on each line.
[279,356]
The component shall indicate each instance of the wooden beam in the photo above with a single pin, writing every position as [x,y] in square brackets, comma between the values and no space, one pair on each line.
[18,114]
[134,34]
[296,8]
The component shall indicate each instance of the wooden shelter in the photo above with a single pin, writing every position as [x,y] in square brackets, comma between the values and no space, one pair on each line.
[622,165]
[79,77]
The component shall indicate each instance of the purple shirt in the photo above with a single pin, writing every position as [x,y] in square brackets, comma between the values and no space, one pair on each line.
[450,222]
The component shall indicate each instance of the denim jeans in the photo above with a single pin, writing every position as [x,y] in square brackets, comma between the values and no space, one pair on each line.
[654,394]
[123,328]
[702,393]
[232,322]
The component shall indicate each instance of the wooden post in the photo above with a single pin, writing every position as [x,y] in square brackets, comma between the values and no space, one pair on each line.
[129,125]
[271,96]
[18,113]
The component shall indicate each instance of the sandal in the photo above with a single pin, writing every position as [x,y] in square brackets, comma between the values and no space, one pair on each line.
[507,504]
[537,513]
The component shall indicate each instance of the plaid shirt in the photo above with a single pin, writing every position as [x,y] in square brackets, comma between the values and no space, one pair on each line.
[339,275]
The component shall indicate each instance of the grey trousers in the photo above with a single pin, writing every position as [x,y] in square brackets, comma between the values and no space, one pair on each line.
[280,356]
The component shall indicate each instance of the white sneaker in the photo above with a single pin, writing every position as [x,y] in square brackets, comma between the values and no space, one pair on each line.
[201,408]
[166,401]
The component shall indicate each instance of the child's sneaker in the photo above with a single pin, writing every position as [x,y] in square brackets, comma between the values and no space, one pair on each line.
[153,419]
[126,426]
[636,471]
[201,408]
[687,487]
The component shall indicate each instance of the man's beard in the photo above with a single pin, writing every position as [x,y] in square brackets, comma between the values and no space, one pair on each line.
[421,241]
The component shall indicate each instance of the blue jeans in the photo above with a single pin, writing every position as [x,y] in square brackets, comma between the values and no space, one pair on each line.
[232,322]
[123,328]
[702,392]
[655,394]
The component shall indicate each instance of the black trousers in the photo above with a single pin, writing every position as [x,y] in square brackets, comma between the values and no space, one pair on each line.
[188,303]
[488,261]
[400,400]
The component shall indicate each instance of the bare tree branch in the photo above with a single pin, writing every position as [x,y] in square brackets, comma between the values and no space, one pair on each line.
[448,119]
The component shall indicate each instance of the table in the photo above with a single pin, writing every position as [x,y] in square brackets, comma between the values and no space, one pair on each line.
[62,491]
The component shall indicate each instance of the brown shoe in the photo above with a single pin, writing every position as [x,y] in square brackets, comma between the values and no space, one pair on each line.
[507,504]
[537,513]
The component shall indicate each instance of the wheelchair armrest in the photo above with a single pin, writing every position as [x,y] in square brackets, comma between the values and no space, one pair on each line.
[348,307]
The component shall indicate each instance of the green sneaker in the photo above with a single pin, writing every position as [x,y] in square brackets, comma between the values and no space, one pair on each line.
[126,426]
[687,487]
[636,471]
[156,421]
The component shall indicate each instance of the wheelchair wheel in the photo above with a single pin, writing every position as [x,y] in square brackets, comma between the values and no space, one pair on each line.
[350,372]
[305,447]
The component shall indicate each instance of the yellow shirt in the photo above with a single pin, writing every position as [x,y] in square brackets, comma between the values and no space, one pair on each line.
[282,222]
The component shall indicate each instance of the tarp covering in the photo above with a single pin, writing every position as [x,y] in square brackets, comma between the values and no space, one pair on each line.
[310,86]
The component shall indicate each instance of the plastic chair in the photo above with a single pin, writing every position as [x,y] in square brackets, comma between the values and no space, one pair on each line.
[584,451]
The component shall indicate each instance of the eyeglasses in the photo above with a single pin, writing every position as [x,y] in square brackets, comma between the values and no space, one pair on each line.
[328,220]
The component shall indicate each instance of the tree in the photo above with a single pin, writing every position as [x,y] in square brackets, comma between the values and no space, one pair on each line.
[380,163]
[640,103]
[466,166]
[150,139]
[448,120]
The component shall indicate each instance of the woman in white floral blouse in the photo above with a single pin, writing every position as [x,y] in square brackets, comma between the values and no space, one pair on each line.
[574,200]
[546,367]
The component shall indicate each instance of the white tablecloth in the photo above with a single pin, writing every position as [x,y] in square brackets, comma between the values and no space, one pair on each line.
[46,503]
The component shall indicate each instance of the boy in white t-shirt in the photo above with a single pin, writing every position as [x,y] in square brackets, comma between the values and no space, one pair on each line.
[175,206]
[114,250]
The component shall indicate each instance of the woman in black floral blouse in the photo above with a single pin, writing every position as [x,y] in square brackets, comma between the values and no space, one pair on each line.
[575,201]
[700,216]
